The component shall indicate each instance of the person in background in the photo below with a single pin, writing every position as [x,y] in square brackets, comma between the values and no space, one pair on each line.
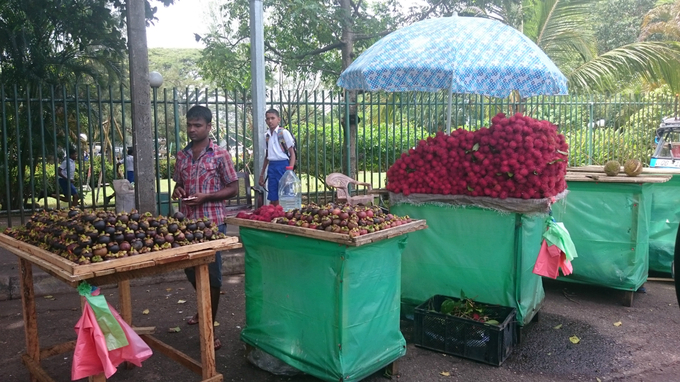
[119,165]
[130,165]
[279,154]
[66,173]
[204,178]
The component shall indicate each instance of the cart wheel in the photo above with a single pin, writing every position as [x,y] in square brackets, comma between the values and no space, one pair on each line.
[536,317]
[628,298]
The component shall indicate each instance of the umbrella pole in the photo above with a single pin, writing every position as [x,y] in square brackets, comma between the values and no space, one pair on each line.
[448,116]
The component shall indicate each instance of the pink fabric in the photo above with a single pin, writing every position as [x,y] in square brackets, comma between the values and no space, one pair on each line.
[91,356]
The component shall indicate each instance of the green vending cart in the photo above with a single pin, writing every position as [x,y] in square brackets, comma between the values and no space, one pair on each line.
[609,222]
[324,303]
[486,252]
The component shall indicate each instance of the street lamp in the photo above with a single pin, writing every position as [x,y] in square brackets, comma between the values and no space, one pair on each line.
[155,79]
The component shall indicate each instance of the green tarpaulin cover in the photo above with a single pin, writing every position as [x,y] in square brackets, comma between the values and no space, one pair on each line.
[329,310]
[663,224]
[489,255]
[609,225]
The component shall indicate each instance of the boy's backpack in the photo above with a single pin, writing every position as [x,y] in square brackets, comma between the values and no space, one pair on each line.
[282,142]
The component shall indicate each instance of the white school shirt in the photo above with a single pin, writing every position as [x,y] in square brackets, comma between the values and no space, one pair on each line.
[274,150]
[71,171]
[130,163]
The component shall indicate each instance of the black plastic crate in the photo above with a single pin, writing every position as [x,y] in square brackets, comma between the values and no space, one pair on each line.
[462,337]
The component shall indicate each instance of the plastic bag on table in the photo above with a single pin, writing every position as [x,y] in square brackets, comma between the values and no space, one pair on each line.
[91,355]
[548,261]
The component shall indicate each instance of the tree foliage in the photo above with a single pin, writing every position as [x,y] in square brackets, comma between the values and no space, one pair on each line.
[47,47]
[178,67]
[618,22]
[58,42]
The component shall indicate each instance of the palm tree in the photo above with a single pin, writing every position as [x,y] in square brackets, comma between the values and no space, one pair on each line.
[562,29]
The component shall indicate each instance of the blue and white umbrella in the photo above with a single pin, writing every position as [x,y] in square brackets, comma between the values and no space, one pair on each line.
[460,54]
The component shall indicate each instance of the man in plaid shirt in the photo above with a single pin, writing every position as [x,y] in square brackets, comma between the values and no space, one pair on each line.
[204,178]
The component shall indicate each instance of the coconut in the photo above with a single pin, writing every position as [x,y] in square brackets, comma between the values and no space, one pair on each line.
[612,168]
[632,167]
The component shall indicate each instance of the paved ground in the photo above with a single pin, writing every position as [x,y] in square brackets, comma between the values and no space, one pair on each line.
[643,348]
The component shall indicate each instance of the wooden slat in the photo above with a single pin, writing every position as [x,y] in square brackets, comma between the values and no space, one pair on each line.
[130,267]
[97,378]
[178,257]
[293,230]
[144,329]
[142,258]
[50,268]
[645,170]
[329,236]
[205,322]
[149,271]
[391,232]
[173,353]
[19,247]
[104,272]
[61,348]
[216,378]
[603,178]
[37,372]
[199,254]
[124,301]
[28,311]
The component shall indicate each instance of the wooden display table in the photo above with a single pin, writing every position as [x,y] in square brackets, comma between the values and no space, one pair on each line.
[120,271]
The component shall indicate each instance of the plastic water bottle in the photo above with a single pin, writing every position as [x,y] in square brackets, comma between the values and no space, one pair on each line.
[290,190]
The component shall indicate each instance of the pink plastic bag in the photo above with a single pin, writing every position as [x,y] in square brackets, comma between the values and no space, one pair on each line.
[548,261]
[91,356]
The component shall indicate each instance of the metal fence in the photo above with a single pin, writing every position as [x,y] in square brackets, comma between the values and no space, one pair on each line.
[39,124]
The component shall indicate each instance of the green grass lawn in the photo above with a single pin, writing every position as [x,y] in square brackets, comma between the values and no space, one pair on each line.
[309,184]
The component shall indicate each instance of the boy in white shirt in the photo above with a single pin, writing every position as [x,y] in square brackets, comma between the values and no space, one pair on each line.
[280,154]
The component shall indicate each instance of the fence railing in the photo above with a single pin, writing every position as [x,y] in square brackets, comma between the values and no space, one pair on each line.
[39,124]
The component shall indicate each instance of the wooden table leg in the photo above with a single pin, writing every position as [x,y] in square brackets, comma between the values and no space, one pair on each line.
[125,306]
[97,378]
[628,298]
[30,315]
[125,301]
[205,325]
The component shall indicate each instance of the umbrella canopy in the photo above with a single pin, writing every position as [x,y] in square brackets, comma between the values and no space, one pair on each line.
[460,54]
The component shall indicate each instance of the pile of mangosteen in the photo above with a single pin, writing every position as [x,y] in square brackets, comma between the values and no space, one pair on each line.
[94,236]
[336,218]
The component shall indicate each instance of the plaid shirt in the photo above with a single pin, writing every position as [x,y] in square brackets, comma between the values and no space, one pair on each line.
[210,172]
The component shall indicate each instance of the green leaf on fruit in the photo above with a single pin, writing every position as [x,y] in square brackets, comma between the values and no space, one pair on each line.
[510,175]
[562,152]
[470,189]
[492,322]
[475,147]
